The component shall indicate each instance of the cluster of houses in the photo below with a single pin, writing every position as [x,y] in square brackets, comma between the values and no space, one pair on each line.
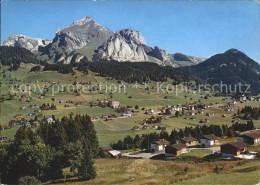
[244,141]
[243,99]
[181,146]
[155,127]
[105,103]
[25,98]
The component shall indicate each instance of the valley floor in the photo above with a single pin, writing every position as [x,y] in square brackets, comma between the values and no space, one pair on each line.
[130,171]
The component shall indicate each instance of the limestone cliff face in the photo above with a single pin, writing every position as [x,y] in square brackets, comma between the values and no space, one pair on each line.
[26,42]
[72,58]
[124,45]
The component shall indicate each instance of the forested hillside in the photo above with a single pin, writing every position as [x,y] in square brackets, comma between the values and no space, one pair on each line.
[140,72]
[15,55]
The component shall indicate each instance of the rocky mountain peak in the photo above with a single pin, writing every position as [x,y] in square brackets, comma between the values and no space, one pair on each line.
[124,45]
[132,35]
[82,21]
[81,34]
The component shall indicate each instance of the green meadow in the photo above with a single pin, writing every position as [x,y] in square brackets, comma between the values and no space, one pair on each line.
[152,97]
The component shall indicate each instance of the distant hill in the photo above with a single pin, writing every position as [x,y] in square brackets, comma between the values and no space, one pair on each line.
[182,60]
[230,67]
[15,55]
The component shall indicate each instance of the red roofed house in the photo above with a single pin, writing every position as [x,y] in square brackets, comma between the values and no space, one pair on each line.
[250,138]
[159,145]
[176,149]
[232,149]
[209,140]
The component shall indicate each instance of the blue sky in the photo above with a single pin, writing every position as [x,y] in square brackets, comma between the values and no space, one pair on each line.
[196,28]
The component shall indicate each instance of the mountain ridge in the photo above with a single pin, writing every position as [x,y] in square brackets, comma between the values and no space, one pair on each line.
[231,67]
[91,41]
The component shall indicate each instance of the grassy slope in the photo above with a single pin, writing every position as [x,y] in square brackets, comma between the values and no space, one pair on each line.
[115,129]
[143,171]
[247,174]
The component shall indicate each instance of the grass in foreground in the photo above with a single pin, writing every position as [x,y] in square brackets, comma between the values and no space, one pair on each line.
[145,171]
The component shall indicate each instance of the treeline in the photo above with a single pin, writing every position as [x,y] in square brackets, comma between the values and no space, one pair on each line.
[197,132]
[13,56]
[249,112]
[132,72]
[61,68]
[42,155]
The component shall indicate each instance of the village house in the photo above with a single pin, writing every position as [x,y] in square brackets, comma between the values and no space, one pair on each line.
[176,149]
[188,141]
[209,114]
[243,98]
[28,125]
[249,138]
[93,117]
[110,151]
[49,119]
[126,115]
[114,153]
[31,114]
[134,111]
[93,104]
[115,104]
[24,107]
[135,128]
[209,140]
[233,149]
[162,127]
[36,123]
[159,145]
[18,116]
[12,123]
[33,106]
[176,108]
[150,111]
[203,121]
[190,113]
[105,103]
[3,138]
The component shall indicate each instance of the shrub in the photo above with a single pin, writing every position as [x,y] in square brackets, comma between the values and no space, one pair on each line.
[29,180]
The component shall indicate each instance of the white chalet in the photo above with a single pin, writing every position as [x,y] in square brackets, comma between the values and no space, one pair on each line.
[159,145]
